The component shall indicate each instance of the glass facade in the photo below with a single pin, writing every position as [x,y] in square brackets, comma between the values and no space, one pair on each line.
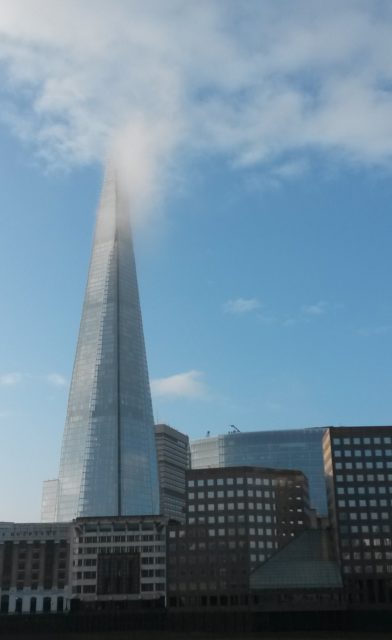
[49,500]
[287,449]
[108,460]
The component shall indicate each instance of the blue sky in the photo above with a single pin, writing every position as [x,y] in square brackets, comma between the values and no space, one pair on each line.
[258,159]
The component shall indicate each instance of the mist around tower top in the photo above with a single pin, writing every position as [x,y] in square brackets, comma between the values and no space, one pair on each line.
[257,85]
[141,154]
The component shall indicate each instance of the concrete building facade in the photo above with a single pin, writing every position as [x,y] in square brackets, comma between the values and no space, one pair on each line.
[118,562]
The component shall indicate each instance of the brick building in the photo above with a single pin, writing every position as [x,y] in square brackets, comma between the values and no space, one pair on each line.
[358,465]
[236,518]
[34,562]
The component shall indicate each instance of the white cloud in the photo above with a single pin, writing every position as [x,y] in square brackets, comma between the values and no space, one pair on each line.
[10,379]
[180,385]
[57,380]
[317,309]
[239,306]
[259,82]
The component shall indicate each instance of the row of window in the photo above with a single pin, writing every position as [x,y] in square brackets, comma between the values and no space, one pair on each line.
[366,542]
[230,493]
[220,482]
[203,520]
[20,586]
[369,568]
[92,562]
[345,479]
[231,520]
[129,538]
[118,527]
[230,506]
[366,555]
[357,440]
[364,515]
[369,502]
[90,588]
[157,548]
[358,453]
[48,534]
[145,573]
[374,529]
[379,465]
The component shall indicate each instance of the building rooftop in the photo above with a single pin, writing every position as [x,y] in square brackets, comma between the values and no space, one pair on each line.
[305,563]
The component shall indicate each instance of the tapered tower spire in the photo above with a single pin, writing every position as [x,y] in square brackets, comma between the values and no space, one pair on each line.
[108,460]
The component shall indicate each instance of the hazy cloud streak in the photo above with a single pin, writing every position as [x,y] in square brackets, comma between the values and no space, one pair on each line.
[239,306]
[317,309]
[10,379]
[380,330]
[57,380]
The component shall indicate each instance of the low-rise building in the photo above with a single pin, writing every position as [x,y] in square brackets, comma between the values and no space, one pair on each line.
[34,567]
[118,562]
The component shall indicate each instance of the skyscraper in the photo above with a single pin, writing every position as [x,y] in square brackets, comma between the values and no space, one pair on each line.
[108,462]
[173,461]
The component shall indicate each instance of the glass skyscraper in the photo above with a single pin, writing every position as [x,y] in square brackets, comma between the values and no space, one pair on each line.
[300,449]
[108,464]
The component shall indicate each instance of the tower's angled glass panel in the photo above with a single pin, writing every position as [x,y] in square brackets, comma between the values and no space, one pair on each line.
[108,459]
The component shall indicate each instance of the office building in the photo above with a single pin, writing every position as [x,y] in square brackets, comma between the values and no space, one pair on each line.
[118,562]
[281,449]
[173,461]
[358,465]
[108,460]
[236,518]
